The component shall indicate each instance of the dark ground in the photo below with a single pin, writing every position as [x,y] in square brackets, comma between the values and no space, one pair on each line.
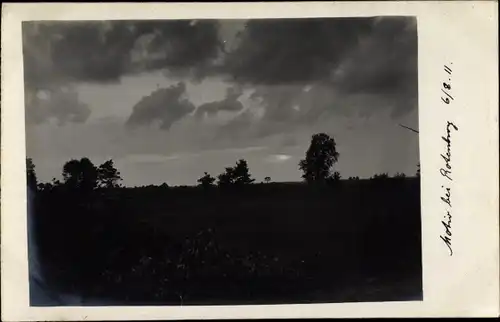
[358,240]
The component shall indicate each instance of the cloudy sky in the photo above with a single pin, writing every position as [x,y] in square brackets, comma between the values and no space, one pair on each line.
[169,100]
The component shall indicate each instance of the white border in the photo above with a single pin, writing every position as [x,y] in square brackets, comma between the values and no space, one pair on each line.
[464,32]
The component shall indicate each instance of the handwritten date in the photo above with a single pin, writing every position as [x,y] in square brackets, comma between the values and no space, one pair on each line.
[446,88]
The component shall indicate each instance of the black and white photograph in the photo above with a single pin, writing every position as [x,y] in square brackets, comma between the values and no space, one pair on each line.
[222,162]
[189,161]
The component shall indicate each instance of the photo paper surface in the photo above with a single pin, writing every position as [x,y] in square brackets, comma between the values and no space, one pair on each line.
[219,161]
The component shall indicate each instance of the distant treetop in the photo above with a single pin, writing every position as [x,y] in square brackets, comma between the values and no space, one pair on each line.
[237,175]
[320,158]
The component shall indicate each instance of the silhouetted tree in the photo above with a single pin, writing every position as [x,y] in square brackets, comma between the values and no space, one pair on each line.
[31,174]
[334,179]
[380,176]
[418,169]
[81,174]
[237,175]
[320,157]
[354,178]
[400,175]
[108,176]
[206,181]
[226,178]
[241,173]
[45,186]
[267,179]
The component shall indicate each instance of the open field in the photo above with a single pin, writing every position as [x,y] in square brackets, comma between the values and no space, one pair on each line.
[358,240]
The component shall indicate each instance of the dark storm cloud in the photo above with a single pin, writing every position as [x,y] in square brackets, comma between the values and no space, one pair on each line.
[62,53]
[392,49]
[46,98]
[179,47]
[381,51]
[267,51]
[278,51]
[386,63]
[165,106]
[300,70]
[102,51]
[229,103]
[74,51]
[306,69]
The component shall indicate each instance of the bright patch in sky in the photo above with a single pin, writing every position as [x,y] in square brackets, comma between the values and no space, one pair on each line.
[279,158]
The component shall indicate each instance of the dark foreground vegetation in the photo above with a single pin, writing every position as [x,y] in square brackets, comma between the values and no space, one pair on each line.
[236,242]
[272,243]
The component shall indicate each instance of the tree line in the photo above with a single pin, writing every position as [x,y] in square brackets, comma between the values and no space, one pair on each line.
[317,168]
[108,248]
[79,174]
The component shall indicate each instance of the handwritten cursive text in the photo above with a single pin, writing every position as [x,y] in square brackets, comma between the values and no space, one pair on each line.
[446,169]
